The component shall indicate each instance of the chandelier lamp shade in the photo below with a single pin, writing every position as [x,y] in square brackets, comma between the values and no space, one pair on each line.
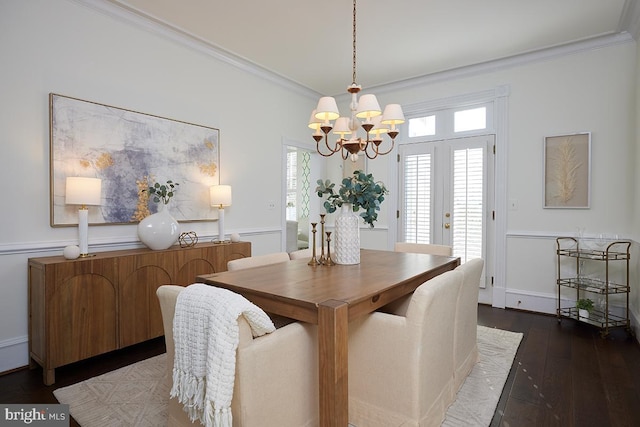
[83,192]
[366,114]
[220,197]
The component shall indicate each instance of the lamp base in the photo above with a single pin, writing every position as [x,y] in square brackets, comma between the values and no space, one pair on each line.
[86,255]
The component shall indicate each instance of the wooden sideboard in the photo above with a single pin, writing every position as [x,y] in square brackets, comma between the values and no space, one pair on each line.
[88,306]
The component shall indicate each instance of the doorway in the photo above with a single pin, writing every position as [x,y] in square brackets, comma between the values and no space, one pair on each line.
[446,197]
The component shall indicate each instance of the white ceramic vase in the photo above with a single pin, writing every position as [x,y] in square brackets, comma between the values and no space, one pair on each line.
[347,236]
[159,230]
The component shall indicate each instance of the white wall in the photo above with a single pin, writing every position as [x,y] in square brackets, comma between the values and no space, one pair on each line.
[589,91]
[70,48]
[67,47]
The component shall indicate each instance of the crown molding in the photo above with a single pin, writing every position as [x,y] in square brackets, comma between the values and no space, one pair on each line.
[156,26]
[629,29]
[630,21]
[508,62]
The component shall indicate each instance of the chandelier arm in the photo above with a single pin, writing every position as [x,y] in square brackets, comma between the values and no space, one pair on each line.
[326,143]
[344,153]
[336,147]
[382,153]
[374,149]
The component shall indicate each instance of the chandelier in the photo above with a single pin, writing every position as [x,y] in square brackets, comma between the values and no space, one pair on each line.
[375,122]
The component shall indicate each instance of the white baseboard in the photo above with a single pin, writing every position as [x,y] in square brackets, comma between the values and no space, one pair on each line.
[547,303]
[14,353]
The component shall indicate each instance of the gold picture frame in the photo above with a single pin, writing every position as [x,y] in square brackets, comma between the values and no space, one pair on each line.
[567,171]
[128,151]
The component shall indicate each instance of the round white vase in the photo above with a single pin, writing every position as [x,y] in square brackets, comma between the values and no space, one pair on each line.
[347,236]
[159,230]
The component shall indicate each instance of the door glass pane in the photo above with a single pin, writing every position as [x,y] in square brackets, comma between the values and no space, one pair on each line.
[473,119]
[468,194]
[417,198]
[422,126]
[292,185]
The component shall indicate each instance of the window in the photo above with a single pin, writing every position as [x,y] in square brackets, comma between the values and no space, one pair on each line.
[292,185]
[422,126]
[417,198]
[468,203]
[473,119]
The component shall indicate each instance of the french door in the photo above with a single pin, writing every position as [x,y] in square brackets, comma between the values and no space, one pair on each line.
[447,198]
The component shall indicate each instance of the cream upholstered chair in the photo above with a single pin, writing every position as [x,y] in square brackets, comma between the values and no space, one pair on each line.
[276,380]
[257,261]
[465,339]
[423,248]
[305,253]
[401,367]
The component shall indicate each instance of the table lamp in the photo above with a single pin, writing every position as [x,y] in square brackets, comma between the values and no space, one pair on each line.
[220,197]
[84,192]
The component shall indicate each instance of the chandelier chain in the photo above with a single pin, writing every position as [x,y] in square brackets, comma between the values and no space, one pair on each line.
[354,42]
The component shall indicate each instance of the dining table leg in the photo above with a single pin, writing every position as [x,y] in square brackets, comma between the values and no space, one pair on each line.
[333,323]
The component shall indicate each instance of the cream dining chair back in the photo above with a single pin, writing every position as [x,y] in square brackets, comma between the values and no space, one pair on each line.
[401,368]
[276,380]
[257,261]
[465,339]
[423,248]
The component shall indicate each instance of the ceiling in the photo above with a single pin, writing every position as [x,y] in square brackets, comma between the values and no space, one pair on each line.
[310,42]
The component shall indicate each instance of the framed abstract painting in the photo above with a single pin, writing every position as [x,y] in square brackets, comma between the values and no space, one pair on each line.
[129,151]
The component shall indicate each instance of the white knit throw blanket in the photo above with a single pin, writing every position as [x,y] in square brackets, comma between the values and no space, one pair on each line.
[206,335]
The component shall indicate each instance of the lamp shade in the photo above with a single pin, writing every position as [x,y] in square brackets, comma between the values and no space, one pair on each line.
[342,127]
[83,191]
[327,109]
[220,195]
[393,115]
[314,122]
[368,107]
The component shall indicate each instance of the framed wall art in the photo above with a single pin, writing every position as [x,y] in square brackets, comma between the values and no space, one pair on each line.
[567,171]
[128,151]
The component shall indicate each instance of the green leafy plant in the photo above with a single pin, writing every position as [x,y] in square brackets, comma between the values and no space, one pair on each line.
[162,192]
[361,190]
[584,304]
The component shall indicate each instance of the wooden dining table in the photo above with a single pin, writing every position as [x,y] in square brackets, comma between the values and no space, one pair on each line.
[331,296]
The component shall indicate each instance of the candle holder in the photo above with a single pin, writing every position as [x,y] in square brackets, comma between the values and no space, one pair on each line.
[313,261]
[322,259]
[328,261]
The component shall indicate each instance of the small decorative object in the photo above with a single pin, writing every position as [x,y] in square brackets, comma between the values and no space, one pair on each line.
[584,306]
[313,261]
[160,230]
[322,259]
[71,252]
[359,191]
[235,237]
[188,239]
[328,261]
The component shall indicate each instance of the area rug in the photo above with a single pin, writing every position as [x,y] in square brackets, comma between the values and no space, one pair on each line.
[137,395]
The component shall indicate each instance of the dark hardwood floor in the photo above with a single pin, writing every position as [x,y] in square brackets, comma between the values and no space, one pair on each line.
[564,374]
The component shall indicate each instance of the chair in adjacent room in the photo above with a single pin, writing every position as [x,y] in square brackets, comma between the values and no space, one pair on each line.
[257,261]
[401,368]
[465,341]
[423,248]
[276,380]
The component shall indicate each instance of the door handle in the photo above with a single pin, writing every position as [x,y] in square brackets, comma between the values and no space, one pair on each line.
[447,225]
